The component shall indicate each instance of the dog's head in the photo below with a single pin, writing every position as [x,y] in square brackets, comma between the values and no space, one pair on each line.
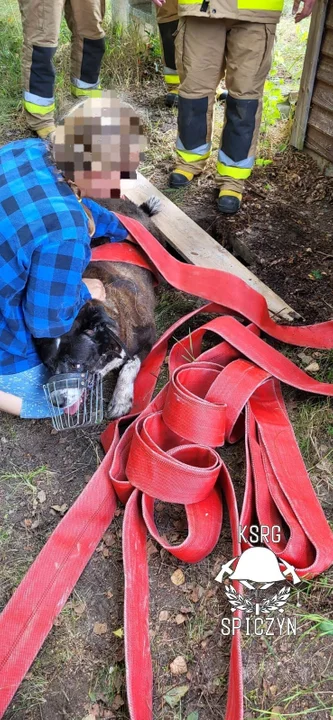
[92,345]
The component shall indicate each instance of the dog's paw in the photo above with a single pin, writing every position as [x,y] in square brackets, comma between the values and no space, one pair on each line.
[119,407]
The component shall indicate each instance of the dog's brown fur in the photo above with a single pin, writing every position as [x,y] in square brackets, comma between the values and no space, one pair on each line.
[130,301]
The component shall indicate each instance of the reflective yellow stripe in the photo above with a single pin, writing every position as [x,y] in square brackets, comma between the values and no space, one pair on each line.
[44,132]
[230,192]
[189,2]
[188,175]
[172,79]
[234,172]
[38,109]
[266,5]
[90,92]
[191,157]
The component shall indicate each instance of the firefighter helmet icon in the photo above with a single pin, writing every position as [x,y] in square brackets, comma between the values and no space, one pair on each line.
[257,568]
[258,565]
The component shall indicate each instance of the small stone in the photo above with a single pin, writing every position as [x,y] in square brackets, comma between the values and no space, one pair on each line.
[180,619]
[164,616]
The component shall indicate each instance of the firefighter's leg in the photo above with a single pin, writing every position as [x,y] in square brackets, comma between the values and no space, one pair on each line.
[41,25]
[167,18]
[199,57]
[84,19]
[248,59]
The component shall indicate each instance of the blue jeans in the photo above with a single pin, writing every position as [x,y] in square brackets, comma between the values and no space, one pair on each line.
[28,385]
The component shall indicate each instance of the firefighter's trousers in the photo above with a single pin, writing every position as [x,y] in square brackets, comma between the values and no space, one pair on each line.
[167,18]
[206,51]
[41,21]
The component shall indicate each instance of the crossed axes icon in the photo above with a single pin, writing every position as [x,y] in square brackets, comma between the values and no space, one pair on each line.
[227,570]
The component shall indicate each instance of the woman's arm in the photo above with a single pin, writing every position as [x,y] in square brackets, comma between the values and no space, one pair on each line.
[10,403]
[106,222]
[55,292]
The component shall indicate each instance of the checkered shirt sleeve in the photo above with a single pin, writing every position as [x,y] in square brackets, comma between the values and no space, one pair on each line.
[55,292]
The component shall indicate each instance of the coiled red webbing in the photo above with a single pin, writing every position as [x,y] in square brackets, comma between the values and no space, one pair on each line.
[169,452]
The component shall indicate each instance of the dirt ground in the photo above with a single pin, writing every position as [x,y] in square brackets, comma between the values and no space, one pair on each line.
[283,233]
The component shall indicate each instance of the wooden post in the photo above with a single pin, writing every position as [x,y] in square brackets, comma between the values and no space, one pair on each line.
[120,12]
[309,74]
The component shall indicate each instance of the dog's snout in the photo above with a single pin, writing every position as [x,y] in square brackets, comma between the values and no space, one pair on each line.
[58,399]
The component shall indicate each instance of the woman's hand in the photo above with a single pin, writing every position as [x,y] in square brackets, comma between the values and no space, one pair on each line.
[159,3]
[96,288]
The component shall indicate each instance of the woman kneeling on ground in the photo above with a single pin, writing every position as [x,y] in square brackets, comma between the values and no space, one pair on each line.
[45,234]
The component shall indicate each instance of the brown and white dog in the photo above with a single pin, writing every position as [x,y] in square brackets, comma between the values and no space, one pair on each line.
[113,335]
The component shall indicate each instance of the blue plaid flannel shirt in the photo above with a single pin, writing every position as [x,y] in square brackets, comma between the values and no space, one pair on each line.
[44,250]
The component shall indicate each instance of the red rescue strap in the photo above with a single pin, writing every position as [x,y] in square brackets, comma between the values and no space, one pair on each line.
[169,452]
[125,252]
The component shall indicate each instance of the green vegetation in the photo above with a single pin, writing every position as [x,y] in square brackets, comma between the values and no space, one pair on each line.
[282,84]
[10,71]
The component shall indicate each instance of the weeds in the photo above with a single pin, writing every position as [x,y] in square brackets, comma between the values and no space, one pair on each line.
[107,683]
[312,423]
[130,57]
[283,79]
[10,70]
[25,479]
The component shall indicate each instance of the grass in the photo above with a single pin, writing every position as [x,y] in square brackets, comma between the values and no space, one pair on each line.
[10,70]
[26,479]
[313,423]
[107,683]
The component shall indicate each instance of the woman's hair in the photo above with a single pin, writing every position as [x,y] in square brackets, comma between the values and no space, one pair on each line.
[100,134]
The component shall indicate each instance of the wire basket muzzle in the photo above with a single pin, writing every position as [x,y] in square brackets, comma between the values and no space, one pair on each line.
[75,399]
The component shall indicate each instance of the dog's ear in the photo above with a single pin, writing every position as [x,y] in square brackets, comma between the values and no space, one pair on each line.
[94,322]
[92,318]
[47,349]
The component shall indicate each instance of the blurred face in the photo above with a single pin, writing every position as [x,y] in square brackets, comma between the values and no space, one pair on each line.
[100,144]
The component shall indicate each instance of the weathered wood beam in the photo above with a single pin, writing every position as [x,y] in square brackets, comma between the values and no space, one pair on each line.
[197,247]
[309,74]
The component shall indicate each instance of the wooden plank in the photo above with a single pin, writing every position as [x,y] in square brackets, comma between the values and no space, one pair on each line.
[325,69]
[197,247]
[322,120]
[323,96]
[309,73]
[319,143]
[327,47]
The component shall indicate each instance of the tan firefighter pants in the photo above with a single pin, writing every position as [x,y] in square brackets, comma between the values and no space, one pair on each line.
[41,26]
[206,50]
[167,18]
